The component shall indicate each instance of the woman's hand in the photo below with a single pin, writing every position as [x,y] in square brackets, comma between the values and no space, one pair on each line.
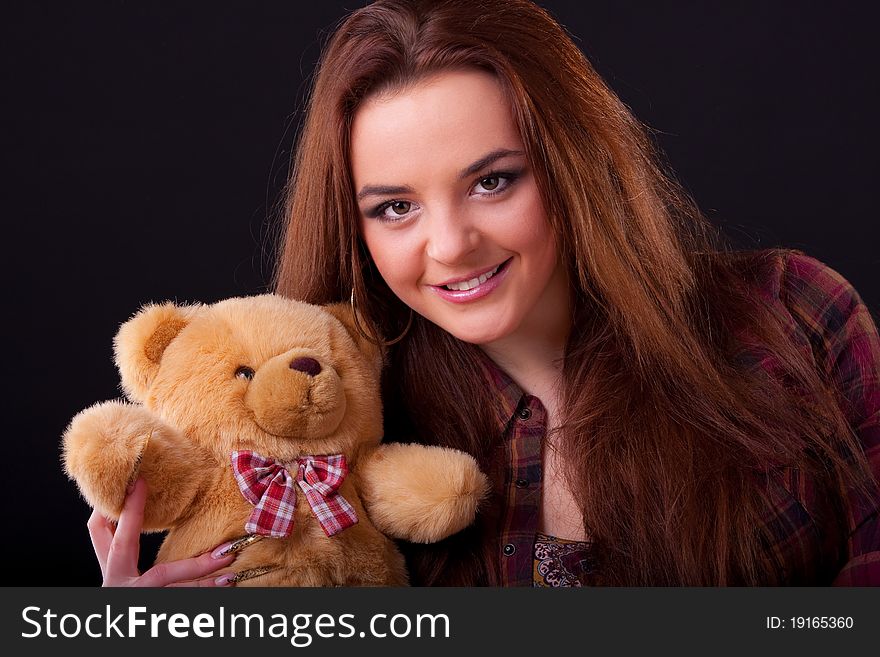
[117,549]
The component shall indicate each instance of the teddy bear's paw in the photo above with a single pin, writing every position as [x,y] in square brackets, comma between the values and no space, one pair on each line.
[102,449]
[420,493]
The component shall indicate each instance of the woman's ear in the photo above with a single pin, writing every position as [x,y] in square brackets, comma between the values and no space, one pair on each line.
[141,341]
[374,352]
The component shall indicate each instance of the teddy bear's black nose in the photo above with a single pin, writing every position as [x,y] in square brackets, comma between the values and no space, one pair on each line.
[308,365]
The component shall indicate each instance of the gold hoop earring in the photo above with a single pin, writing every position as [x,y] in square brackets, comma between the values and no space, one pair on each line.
[360,329]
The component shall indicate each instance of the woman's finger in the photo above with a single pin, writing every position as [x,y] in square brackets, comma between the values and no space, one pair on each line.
[185,572]
[122,560]
[101,533]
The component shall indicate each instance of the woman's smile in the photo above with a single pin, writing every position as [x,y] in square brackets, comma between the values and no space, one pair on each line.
[474,286]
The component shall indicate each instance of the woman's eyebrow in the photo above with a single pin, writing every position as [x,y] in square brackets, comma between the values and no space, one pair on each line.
[467,172]
[383,190]
[485,161]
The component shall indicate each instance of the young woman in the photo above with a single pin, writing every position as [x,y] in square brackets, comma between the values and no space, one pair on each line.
[653,408]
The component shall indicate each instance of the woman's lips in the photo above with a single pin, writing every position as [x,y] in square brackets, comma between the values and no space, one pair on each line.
[478,292]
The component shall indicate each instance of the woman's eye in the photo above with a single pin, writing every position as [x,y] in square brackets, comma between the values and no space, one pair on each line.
[244,372]
[391,211]
[400,207]
[495,183]
[491,183]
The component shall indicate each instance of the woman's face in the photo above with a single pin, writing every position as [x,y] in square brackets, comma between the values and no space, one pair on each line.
[450,212]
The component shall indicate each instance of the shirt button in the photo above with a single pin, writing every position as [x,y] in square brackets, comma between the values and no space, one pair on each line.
[525,413]
[522,483]
[509,549]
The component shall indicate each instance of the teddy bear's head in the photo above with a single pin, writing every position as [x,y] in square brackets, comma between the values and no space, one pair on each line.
[264,373]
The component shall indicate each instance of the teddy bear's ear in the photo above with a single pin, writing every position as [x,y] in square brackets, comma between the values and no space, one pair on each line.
[141,341]
[345,314]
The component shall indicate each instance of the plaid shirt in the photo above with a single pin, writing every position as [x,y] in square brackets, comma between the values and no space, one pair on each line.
[821,311]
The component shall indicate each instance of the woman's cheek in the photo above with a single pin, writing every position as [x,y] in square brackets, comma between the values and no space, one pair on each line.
[398,265]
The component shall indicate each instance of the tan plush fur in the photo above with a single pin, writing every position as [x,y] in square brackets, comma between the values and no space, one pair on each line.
[178,366]
[398,488]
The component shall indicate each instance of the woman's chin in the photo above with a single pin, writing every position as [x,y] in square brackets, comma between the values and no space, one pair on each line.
[479,326]
[479,335]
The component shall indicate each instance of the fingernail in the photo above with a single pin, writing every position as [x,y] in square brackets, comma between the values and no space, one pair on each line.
[242,575]
[235,546]
[222,551]
[226,580]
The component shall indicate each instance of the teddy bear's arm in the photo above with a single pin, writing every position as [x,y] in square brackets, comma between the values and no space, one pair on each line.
[109,444]
[421,493]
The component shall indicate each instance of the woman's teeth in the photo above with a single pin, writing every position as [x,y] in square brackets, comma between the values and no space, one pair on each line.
[469,285]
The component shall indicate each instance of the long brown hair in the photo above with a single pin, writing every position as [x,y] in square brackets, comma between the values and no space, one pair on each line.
[665,432]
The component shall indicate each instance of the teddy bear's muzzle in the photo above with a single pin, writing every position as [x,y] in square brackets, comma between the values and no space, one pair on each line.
[294,395]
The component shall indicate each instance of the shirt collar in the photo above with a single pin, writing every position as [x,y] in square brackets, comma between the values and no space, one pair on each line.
[508,393]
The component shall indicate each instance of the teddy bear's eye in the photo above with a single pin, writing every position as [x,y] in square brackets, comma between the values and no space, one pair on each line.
[244,372]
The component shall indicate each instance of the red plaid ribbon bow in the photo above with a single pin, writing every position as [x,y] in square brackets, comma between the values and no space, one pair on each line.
[267,485]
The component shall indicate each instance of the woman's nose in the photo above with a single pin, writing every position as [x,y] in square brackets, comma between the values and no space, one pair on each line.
[451,237]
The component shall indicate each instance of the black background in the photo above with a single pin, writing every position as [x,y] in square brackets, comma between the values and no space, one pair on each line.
[145,145]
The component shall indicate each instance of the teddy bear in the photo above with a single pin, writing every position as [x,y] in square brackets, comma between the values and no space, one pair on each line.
[259,419]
